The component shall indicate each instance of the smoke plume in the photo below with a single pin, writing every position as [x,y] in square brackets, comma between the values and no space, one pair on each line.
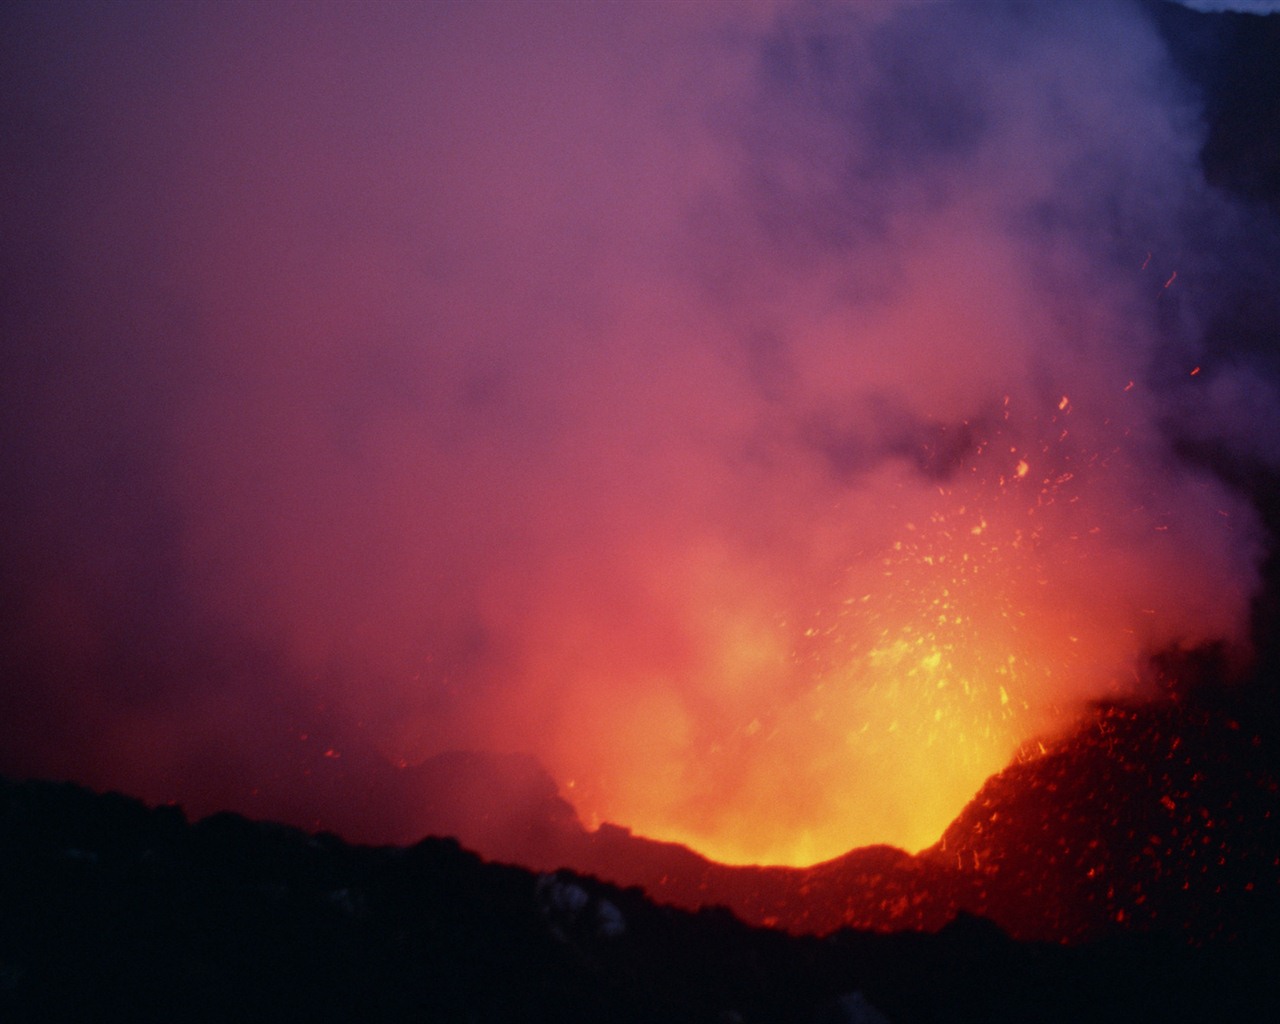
[768,416]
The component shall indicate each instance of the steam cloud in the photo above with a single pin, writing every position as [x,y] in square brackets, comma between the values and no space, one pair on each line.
[587,379]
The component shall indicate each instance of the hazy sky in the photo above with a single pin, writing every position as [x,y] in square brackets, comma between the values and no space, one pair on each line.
[766,414]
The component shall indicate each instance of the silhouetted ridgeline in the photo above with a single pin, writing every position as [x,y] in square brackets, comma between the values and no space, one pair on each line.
[110,910]
[1162,817]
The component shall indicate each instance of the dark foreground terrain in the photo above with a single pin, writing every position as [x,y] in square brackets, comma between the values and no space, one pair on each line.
[110,910]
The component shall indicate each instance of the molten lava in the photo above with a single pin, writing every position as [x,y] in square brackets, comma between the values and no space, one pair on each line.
[991,599]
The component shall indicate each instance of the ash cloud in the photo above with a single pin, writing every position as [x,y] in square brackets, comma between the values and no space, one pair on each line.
[549,380]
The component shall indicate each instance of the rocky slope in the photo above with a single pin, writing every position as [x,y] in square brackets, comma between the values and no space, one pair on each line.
[110,910]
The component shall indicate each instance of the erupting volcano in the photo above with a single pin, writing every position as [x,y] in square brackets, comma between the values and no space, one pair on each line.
[782,430]
[1017,565]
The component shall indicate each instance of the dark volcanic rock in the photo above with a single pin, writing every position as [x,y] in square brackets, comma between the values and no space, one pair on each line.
[1152,818]
[1235,60]
[110,910]
[1161,817]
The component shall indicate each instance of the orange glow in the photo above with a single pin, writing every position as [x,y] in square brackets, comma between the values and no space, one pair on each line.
[961,635]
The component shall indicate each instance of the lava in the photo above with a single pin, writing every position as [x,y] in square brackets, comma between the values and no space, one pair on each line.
[961,636]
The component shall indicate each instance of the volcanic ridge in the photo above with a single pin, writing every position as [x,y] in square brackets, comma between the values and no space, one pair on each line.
[1130,871]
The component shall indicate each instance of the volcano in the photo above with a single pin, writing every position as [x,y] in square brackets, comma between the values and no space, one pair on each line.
[783,497]
[1158,817]
[1128,872]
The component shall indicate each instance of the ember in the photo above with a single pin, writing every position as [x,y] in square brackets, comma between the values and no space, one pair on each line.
[976,624]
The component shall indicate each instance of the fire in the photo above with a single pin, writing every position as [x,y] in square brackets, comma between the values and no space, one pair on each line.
[941,664]
[986,595]
[904,692]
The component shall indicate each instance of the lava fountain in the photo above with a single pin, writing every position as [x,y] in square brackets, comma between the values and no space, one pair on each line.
[1022,572]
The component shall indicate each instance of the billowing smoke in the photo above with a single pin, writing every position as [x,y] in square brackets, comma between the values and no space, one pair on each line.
[768,416]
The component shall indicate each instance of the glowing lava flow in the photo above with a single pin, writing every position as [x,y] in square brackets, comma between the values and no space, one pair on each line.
[991,599]
[940,662]
[950,650]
